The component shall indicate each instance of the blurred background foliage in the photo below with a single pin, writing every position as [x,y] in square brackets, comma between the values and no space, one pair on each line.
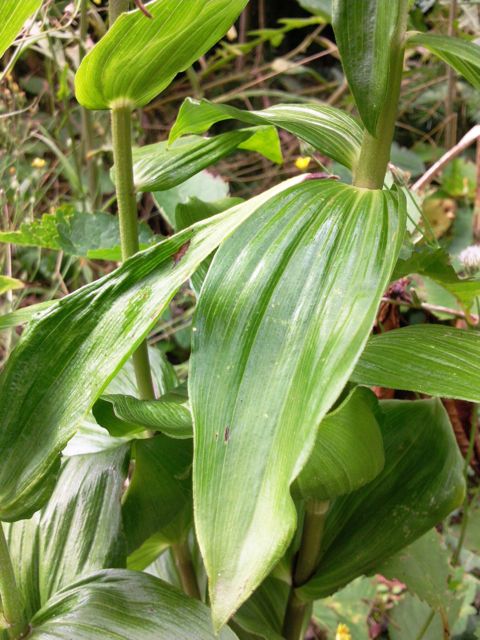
[57,197]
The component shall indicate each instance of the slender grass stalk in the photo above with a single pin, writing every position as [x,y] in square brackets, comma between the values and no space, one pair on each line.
[375,152]
[13,609]
[298,611]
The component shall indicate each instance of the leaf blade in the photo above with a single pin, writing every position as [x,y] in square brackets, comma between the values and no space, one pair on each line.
[13,15]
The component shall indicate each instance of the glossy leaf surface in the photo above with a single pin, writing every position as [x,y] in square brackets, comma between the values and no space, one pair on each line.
[438,360]
[13,15]
[49,384]
[328,129]
[139,57]
[78,531]
[364,33]
[348,451]
[283,315]
[462,55]
[161,166]
[421,483]
[124,604]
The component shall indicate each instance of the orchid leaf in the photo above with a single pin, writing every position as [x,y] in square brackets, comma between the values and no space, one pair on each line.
[13,15]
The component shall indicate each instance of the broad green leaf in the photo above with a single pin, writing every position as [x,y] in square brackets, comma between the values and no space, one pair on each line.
[139,57]
[329,130]
[78,531]
[348,451]
[160,166]
[115,604]
[13,15]
[126,416]
[75,232]
[434,359]
[365,32]
[421,483]
[23,315]
[322,8]
[204,186]
[159,498]
[67,356]
[424,567]
[9,284]
[284,313]
[264,611]
[463,56]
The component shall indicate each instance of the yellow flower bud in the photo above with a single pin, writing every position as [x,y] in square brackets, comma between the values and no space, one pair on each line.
[38,163]
[302,163]
[343,633]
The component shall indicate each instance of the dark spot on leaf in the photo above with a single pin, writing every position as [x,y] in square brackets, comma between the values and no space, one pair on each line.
[180,253]
[226,435]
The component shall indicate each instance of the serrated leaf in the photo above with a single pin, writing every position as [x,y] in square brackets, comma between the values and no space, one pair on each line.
[328,129]
[260,344]
[160,166]
[460,54]
[13,15]
[139,57]
[159,498]
[438,360]
[365,33]
[348,451]
[124,604]
[421,483]
[67,356]
[78,531]
[9,284]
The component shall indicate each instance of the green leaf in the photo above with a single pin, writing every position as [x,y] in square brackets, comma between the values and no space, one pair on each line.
[124,604]
[329,130]
[203,185]
[126,416]
[438,360]
[463,56]
[260,344]
[322,8]
[348,451]
[421,483]
[263,613]
[13,16]
[9,284]
[75,232]
[78,531]
[365,32]
[67,356]
[139,57]
[160,166]
[424,567]
[159,497]
[23,315]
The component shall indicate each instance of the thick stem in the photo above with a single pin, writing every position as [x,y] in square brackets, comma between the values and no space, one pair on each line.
[13,610]
[375,152]
[186,570]
[127,214]
[298,612]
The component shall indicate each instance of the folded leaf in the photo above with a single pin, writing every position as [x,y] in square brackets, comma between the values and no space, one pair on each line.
[13,15]
[161,166]
[124,604]
[348,451]
[438,360]
[127,416]
[462,55]
[421,483]
[78,531]
[365,32]
[68,355]
[283,315]
[329,130]
[139,57]
[159,498]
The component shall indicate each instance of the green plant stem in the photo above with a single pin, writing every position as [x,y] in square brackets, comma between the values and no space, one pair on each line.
[117,7]
[298,611]
[375,151]
[186,570]
[13,610]
[127,214]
